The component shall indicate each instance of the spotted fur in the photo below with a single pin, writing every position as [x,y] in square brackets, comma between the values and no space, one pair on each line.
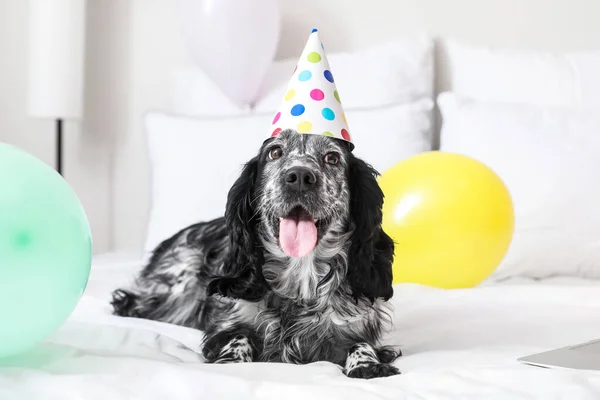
[230,277]
[237,350]
[364,362]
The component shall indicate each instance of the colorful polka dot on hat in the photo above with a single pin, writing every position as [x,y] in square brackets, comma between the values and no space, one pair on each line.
[311,104]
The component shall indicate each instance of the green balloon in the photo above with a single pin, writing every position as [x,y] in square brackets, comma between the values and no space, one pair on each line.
[45,251]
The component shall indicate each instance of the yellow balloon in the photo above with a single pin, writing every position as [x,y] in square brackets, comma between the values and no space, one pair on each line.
[451,217]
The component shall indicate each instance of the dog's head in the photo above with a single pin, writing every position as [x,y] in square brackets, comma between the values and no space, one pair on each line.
[303,190]
[297,191]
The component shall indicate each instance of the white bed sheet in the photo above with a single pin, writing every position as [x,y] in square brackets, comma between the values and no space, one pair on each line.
[460,344]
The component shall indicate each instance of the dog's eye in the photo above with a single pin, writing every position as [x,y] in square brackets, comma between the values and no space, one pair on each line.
[275,153]
[332,158]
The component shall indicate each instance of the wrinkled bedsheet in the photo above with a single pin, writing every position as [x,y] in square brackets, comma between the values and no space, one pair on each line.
[457,344]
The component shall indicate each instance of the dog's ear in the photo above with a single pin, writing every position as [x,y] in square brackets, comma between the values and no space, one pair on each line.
[372,250]
[240,217]
[242,276]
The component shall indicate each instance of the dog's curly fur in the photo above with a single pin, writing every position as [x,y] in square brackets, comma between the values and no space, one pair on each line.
[231,278]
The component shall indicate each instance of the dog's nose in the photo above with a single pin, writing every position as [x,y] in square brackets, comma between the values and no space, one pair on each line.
[300,179]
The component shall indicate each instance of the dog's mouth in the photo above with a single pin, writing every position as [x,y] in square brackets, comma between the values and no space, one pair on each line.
[298,232]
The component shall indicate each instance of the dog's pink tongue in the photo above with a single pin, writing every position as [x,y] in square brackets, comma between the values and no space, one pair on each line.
[298,235]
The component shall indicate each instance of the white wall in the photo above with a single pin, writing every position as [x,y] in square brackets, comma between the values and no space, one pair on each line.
[88,157]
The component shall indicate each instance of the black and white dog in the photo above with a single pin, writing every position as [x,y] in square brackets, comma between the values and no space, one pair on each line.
[299,269]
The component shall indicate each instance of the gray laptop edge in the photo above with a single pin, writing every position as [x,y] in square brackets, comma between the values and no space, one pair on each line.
[583,356]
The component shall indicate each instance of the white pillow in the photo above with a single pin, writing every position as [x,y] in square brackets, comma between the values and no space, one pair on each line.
[519,76]
[194,161]
[549,159]
[390,73]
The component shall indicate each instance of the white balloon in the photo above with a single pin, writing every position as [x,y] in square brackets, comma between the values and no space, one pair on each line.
[233,41]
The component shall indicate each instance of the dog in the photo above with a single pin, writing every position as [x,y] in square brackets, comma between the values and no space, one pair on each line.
[298,269]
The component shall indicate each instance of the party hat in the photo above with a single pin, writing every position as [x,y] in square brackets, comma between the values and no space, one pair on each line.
[312,104]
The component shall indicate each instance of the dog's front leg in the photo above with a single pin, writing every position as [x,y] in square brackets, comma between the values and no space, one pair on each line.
[364,361]
[231,346]
[237,350]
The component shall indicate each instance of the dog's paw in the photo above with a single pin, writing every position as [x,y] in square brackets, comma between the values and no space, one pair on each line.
[373,370]
[387,355]
[123,303]
[237,350]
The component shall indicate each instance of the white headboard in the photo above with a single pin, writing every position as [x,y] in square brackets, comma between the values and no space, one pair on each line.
[156,49]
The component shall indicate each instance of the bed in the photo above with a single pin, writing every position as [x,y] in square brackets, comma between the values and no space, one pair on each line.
[457,344]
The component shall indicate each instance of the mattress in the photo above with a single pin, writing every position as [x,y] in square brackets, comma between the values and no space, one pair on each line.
[457,344]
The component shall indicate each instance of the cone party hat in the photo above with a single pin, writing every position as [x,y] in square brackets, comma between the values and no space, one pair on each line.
[312,104]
